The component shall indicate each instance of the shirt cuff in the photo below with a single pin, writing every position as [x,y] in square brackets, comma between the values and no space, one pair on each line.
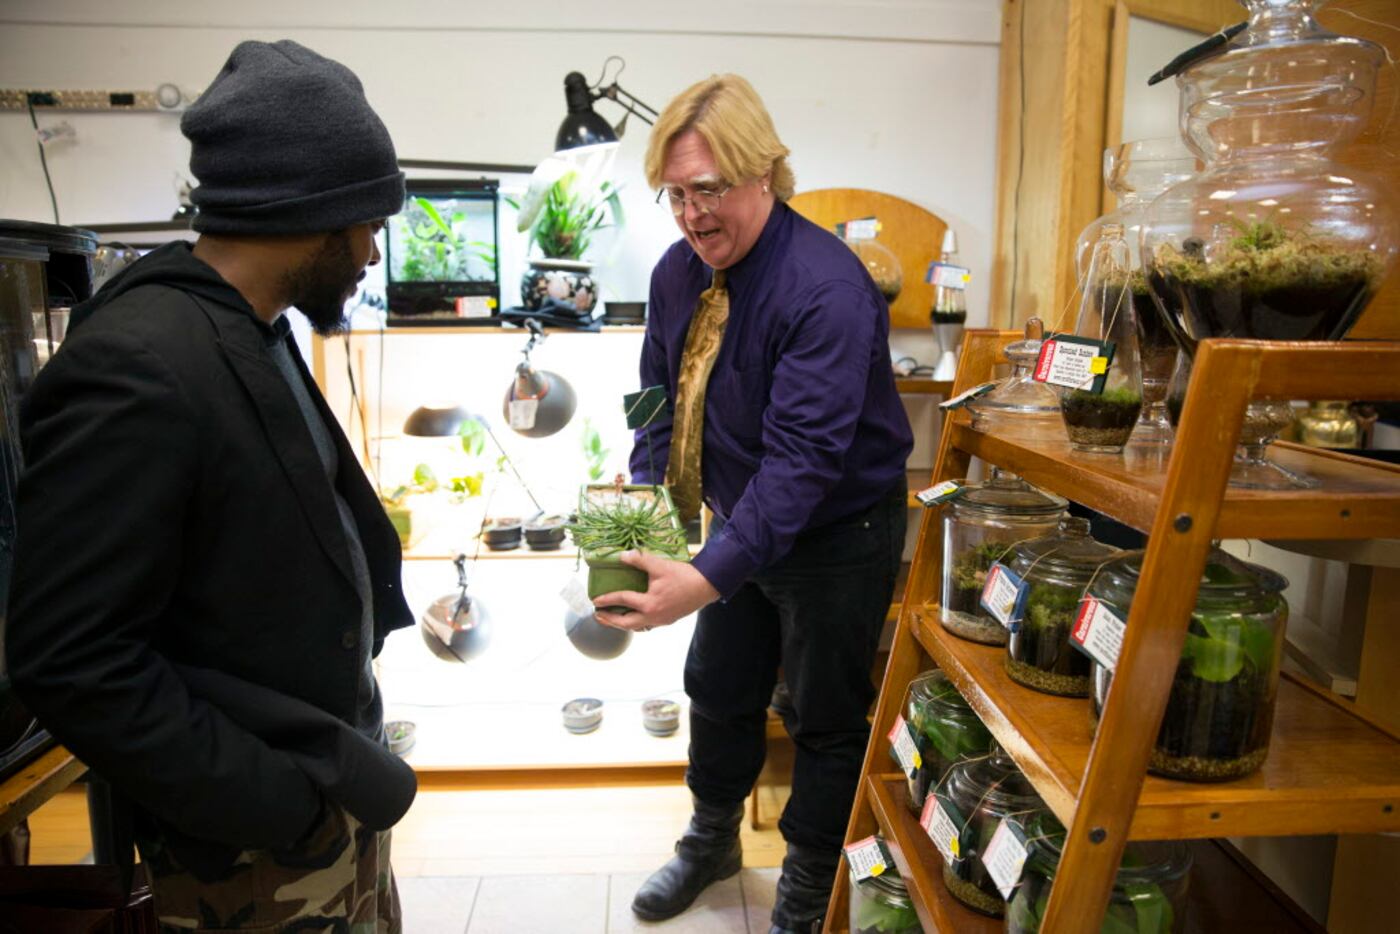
[724,563]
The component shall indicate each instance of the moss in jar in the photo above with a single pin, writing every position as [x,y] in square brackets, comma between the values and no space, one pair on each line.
[1101,419]
[1038,654]
[1269,283]
[963,615]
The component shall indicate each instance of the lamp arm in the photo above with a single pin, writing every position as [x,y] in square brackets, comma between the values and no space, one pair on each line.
[628,102]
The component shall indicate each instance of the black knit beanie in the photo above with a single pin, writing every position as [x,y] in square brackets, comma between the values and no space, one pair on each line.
[284,142]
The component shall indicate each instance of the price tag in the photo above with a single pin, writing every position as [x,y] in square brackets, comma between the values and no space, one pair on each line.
[1005,856]
[867,858]
[948,276]
[904,747]
[1098,633]
[1004,596]
[963,398]
[940,493]
[1074,363]
[576,596]
[942,829]
[863,228]
[642,407]
[474,306]
[522,413]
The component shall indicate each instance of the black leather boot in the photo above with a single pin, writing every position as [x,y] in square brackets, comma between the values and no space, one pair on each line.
[803,889]
[708,851]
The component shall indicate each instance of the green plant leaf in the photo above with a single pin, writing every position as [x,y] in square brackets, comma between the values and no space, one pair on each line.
[424,477]
[435,217]
[1154,911]
[1213,659]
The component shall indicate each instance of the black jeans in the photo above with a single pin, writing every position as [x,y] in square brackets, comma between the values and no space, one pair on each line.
[817,612]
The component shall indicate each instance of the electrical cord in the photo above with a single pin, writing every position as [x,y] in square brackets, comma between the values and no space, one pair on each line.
[43,160]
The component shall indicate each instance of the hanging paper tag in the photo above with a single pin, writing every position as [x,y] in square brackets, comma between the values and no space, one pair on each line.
[963,398]
[522,413]
[576,596]
[948,276]
[1074,363]
[942,829]
[904,747]
[644,406]
[940,493]
[863,228]
[1004,596]
[868,858]
[1005,856]
[1098,633]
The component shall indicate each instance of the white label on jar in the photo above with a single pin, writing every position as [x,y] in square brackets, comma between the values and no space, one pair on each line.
[576,596]
[522,413]
[940,493]
[903,746]
[862,228]
[1074,363]
[1098,633]
[868,858]
[941,829]
[948,276]
[1005,857]
[1004,595]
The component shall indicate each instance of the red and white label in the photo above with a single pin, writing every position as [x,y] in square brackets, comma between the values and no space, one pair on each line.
[1068,363]
[1098,632]
[941,829]
[905,749]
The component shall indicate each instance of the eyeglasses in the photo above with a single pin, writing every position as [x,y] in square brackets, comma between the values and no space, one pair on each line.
[706,202]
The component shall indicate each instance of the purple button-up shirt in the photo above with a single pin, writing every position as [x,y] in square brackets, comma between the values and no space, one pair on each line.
[803,425]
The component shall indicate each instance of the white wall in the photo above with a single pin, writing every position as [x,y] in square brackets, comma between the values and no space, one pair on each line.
[1150,112]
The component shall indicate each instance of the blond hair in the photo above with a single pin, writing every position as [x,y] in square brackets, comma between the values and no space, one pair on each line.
[728,113]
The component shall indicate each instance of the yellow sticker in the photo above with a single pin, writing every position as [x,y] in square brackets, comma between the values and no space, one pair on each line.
[955,847]
[877,869]
[1098,366]
[918,760]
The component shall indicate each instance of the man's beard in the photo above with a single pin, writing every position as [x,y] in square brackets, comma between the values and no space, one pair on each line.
[318,286]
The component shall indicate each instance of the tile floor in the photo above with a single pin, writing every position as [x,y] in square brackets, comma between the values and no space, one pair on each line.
[576,904]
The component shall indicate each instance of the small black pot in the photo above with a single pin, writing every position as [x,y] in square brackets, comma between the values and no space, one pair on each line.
[502,534]
[545,534]
[582,714]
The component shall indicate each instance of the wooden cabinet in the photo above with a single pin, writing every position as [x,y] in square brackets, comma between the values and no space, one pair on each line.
[1331,769]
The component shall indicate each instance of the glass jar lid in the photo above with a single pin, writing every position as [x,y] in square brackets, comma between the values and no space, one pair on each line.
[888,887]
[1226,581]
[1145,862]
[933,687]
[1005,493]
[993,781]
[1069,552]
[1018,394]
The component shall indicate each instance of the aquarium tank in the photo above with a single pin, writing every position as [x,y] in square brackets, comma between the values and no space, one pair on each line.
[440,254]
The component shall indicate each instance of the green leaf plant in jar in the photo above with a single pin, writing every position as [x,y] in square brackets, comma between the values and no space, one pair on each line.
[946,731]
[1149,890]
[973,799]
[1221,706]
[980,527]
[1096,370]
[1056,569]
[881,905]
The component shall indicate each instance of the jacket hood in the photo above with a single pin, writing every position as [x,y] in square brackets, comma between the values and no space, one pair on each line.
[173,266]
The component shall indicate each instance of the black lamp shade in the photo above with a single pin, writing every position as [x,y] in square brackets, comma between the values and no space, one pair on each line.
[432,421]
[581,126]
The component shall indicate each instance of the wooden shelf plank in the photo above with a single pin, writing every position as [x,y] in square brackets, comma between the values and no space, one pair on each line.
[36,782]
[919,385]
[1328,770]
[1358,498]
[919,862]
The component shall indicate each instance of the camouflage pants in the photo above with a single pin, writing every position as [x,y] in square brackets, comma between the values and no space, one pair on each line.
[335,881]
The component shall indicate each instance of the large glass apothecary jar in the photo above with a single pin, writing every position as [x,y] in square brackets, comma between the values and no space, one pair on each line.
[979,528]
[946,729]
[1149,891]
[977,795]
[1057,569]
[880,905]
[1221,707]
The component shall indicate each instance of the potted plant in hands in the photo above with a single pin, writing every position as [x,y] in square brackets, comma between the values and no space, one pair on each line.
[618,517]
[562,219]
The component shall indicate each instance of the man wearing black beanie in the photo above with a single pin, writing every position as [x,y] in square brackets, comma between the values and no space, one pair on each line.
[203,572]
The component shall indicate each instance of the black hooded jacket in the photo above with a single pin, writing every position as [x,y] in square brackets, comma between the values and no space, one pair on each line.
[183,613]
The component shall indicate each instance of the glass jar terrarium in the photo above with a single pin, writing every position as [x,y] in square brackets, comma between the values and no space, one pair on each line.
[1057,569]
[1149,890]
[946,730]
[1101,411]
[880,905]
[882,264]
[1137,172]
[1221,707]
[1272,240]
[979,528]
[1019,407]
[977,795]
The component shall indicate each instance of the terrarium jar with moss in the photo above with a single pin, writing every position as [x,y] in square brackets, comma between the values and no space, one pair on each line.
[1273,240]
[979,528]
[1221,707]
[1101,411]
[946,730]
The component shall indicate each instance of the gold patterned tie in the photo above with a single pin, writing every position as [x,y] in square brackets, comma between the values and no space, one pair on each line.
[702,342]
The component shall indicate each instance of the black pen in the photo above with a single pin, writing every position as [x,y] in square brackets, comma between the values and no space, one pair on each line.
[1196,52]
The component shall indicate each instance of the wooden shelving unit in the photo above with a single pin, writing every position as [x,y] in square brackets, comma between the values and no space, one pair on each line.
[1330,769]
[36,782]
